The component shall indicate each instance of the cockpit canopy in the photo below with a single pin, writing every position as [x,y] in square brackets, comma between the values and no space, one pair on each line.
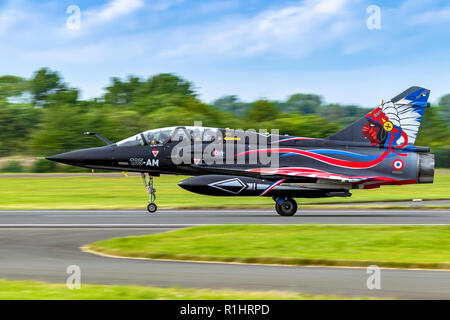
[164,135]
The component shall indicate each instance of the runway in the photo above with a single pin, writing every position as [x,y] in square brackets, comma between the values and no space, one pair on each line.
[41,245]
[183,218]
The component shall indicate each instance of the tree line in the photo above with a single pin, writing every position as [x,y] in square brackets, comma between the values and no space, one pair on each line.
[44,115]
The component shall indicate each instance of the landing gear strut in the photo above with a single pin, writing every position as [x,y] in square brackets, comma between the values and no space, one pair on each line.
[285,206]
[151,192]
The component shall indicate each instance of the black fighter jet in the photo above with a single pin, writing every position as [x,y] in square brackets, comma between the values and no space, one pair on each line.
[376,150]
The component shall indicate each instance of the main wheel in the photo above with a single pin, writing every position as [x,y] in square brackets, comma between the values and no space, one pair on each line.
[287,208]
[152,208]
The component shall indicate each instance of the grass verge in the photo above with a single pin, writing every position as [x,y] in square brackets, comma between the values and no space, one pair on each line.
[95,192]
[33,290]
[327,245]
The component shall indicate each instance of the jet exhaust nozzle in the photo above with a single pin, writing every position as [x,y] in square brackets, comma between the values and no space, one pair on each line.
[425,168]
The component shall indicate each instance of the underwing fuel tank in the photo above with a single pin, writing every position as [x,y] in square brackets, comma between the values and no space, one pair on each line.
[223,185]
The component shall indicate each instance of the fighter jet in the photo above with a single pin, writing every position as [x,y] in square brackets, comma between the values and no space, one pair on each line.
[374,151]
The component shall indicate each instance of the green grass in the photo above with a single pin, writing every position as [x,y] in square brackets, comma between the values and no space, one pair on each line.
[385,246]
[33,290]
[94,192]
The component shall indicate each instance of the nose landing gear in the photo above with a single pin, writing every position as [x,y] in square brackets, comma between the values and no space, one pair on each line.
[151,192]
[285,206]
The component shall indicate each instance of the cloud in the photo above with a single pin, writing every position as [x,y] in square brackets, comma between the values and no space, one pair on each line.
[294,30]
[162,5]
[9,18]
[268,51]
[211,7]
[112,10]
[432,16]
[105,51]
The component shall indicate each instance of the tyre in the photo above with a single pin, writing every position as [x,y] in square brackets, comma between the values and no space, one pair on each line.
[152,208]
[287,208]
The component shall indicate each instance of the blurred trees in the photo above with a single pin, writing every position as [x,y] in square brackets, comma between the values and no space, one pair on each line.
[42,115]
[433,130]
[166,83]
[122,92]
[12,86]
[262,110]
[300,125]
[444,109]
[303,103]
[17,123]
[445,100]
[233,105]
[44,83]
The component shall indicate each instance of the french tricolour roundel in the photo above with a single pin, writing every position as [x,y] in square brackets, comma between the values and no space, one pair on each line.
[398,164]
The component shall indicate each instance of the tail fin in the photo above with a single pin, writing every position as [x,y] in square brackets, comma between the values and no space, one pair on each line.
[393,123]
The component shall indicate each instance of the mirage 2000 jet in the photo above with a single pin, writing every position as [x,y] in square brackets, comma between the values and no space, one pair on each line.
[376,150]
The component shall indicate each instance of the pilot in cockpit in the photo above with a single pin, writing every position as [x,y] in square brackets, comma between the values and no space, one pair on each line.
[151,139]
[163,138]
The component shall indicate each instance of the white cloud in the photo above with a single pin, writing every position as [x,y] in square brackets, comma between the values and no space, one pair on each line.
[9,18]
[162,5]
[195,47]
[295,30]
[90,54]
[112,10]
[211,7]
[93,18]
[432,16]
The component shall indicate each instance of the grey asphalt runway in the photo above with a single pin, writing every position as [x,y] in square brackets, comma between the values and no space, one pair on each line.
[41,245]
[181,218]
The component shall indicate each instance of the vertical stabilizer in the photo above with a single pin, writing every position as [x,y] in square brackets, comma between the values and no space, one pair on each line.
[394,123]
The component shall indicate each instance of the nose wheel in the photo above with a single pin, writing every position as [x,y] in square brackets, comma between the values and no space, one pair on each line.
[152,208]
[285,206]
[151,192]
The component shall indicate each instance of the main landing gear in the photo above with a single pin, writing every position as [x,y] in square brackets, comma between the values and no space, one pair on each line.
[285,206]
[151,192]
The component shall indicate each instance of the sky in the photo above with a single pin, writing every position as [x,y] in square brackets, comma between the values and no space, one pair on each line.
[253,48]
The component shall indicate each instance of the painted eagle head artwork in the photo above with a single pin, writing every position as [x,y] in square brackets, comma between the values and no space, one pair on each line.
[395,123]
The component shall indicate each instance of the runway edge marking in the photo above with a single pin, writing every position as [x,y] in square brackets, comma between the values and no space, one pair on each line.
[179,226]
[86,249]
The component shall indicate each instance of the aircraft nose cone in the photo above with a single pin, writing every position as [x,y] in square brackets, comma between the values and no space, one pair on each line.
[69,157]
[53,158]
[84,157]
